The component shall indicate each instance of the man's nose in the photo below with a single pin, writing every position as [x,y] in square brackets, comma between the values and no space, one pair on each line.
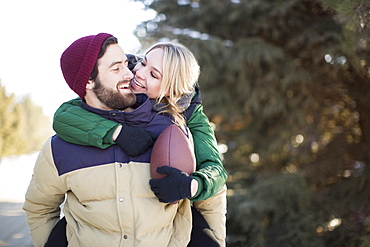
[127,74]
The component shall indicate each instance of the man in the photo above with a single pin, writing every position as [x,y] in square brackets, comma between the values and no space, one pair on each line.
[109,201]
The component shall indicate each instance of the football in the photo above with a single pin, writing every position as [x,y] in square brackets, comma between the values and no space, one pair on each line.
[174,147]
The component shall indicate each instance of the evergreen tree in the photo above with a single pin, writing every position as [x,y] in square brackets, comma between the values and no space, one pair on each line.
[10,126]
[23,126]
[286,82]
[38,126]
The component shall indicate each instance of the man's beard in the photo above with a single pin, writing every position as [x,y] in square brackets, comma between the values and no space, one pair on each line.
[113,99]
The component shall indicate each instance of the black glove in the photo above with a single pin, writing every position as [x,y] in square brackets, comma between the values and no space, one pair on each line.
[133,140]
[174,187]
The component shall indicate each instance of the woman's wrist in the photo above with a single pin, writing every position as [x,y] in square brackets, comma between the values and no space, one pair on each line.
[194,187]
[116,132]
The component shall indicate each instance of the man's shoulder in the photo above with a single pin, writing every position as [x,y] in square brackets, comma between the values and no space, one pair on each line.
[70,157]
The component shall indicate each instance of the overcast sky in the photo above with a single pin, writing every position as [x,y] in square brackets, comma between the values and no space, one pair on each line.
[34,33]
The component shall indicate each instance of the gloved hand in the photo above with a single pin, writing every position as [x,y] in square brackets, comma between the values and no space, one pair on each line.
[174,187]
[134,140]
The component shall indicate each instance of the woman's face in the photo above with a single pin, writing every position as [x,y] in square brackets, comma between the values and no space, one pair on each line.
[148,74]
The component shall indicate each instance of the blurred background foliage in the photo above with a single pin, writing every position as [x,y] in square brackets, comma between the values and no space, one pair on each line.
[286,83]
[23,125]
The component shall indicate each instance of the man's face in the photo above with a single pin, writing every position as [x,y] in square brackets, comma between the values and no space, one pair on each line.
[111,87]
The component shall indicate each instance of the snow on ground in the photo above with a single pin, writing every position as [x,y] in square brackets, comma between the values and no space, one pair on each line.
[15,176]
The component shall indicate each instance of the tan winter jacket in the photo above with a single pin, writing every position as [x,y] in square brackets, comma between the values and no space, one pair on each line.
[109,201]
[214,211]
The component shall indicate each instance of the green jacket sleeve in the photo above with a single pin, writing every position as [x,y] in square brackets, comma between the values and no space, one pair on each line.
[74,124]
[210,173]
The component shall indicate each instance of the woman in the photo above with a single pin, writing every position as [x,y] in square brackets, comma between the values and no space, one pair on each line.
[168,75]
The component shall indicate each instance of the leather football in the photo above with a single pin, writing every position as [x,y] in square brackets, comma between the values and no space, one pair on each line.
[174,147]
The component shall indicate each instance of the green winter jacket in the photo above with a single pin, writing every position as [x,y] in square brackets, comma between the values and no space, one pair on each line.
[76,125]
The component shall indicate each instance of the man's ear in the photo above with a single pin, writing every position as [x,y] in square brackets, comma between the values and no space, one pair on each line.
[90,84]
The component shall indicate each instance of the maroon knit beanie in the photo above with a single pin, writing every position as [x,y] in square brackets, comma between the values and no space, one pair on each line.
[78,61]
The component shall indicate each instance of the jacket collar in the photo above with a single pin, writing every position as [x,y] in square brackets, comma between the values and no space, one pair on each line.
[141,114]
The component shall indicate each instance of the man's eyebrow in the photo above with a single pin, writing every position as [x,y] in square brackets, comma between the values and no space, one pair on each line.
[116,62]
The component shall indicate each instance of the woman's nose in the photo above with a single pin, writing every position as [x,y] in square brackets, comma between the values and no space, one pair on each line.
[139,73]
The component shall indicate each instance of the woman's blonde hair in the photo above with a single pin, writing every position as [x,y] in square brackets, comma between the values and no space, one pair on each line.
[180,75]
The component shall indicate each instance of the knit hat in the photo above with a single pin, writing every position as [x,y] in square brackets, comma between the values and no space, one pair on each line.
[78,61]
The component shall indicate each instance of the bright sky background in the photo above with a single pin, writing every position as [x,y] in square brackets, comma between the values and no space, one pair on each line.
[34,34]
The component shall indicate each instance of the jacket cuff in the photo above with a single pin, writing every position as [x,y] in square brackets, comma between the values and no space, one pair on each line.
[108,138]
[200,187]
